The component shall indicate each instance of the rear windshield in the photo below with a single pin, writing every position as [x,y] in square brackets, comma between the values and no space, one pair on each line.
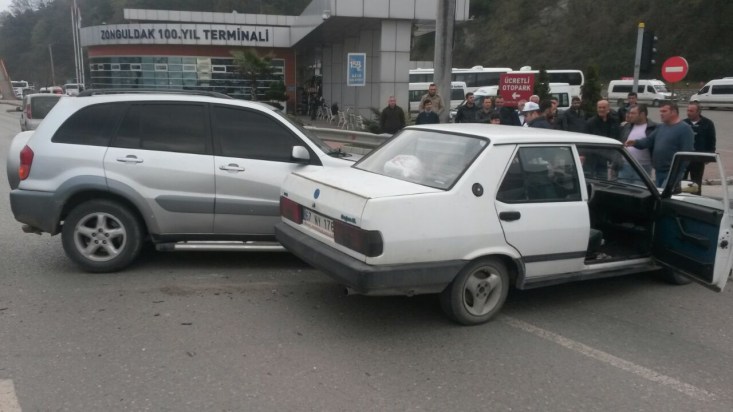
[425,157]
[41,105]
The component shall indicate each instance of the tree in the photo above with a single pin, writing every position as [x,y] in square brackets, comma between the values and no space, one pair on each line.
[590,92]
[542,84]
[276,92]
[253,66]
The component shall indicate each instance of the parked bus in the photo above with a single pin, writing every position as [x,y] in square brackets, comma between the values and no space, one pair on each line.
[574,78]
[475,77]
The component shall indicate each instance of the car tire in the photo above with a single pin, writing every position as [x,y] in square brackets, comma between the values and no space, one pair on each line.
[673,278]
[101,236]
[477,293]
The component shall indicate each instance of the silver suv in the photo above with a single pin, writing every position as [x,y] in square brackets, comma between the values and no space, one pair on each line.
[109,172]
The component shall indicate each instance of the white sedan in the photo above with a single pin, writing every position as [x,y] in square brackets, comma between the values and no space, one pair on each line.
[469,210]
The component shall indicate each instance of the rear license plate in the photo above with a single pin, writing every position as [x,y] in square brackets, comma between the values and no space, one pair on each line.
[318,222]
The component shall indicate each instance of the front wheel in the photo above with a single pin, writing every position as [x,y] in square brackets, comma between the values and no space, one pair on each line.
[101,236]
[655,103]
[477,293]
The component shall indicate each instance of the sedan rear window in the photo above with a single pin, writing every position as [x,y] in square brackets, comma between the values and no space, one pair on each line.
[425,157]
[41,105]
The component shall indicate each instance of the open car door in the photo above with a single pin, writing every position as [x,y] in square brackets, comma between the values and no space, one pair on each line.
[692,233]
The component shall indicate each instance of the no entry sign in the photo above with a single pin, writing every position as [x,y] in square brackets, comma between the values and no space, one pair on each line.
[514,87]
[675,69]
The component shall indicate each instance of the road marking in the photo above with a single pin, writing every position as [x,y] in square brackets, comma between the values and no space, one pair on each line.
[8,400]
[585,350]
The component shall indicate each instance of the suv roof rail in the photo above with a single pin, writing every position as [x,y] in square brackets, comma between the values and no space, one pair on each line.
[95,92]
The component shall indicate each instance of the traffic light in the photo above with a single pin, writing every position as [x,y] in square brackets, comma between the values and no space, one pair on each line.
[648,52]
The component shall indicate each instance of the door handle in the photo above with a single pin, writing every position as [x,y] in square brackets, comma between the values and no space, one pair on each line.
[509,216]
[231,167]
[129,159]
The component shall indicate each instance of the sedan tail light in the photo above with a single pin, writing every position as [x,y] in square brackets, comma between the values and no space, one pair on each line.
[28,112]
[367,242]
[291,210]
[26,160]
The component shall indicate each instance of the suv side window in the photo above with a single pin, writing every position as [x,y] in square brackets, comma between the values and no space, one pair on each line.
[248,134]
[541,174]
[92,125]
[170,127]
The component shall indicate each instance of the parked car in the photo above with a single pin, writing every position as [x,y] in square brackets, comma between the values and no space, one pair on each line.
[466,211]
[35,108]
[109,172]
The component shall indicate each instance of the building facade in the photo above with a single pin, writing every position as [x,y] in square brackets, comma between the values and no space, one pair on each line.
[323,50]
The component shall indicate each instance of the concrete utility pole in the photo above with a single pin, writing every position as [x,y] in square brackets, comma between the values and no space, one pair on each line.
[637,59]
[444,23]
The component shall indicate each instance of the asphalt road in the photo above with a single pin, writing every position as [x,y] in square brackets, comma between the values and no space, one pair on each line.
[264,332]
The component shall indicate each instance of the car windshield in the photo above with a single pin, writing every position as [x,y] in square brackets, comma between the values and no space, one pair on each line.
[660,88]
[425,157]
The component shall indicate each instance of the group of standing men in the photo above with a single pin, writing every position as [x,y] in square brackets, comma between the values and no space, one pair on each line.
[652,144]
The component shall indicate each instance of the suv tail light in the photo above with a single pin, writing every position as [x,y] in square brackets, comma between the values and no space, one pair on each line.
[26,160]
[367,242]
[28,111]
[291,210]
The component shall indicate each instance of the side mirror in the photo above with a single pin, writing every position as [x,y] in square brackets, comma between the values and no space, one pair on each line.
[300,153]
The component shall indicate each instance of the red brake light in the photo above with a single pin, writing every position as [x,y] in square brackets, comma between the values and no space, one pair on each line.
[367,242]
[291,210]
[26,160]
[28,112]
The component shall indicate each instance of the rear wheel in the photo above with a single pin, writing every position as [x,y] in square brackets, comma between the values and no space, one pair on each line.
[101,236]
[477,293]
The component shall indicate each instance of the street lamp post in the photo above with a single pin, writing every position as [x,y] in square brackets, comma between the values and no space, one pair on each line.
[53,73]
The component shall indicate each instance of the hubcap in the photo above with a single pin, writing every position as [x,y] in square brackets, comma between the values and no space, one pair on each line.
[100,237]
[481,292]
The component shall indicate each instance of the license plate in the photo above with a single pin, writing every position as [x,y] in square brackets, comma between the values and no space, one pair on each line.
[318,222]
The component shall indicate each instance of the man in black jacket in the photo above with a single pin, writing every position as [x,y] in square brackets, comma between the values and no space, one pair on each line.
[392,118]
[604,123]
[508,115]
[704,130]
[467,111]
[573,119]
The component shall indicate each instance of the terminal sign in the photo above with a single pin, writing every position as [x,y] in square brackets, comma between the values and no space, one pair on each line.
[514,87]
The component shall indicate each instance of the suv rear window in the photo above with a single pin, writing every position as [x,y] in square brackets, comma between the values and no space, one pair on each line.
[92,125]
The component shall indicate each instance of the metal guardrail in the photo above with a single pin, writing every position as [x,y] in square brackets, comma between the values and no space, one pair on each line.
[349,137]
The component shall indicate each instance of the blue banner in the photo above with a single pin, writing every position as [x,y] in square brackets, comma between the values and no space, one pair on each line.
[356,69]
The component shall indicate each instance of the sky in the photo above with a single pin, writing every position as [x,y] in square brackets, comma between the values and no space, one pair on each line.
[4,4]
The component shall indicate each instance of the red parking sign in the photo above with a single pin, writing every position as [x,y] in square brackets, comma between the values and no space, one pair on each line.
[514,87]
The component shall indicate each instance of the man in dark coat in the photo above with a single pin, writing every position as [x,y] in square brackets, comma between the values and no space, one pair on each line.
[573,119]
[467,112]
[604,123]
[704,130]
[392,118]
[508,115]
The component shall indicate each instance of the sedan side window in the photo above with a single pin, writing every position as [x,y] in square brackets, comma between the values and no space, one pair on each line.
[541,174]
[248,134]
